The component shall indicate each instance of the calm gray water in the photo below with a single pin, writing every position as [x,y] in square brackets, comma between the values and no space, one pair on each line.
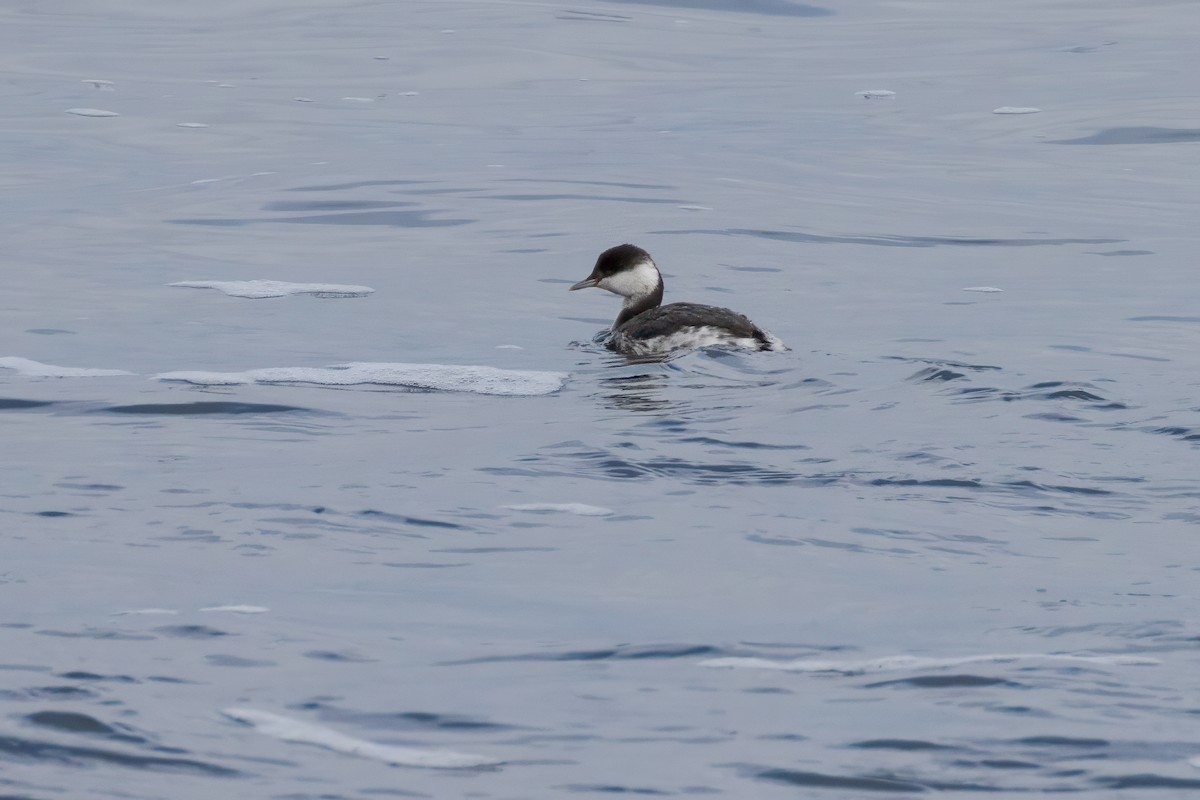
[945,545]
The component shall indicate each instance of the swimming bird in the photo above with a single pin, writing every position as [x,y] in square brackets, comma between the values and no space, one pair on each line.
[645,326]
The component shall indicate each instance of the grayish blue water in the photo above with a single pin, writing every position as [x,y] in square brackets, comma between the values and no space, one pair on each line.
[947,544]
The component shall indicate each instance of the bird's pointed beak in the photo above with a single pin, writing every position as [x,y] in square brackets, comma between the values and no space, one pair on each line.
[586,283]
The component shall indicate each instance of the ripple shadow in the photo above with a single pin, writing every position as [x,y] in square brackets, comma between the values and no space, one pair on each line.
[204,407]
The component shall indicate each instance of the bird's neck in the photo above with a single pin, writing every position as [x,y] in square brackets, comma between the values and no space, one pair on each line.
[638,304]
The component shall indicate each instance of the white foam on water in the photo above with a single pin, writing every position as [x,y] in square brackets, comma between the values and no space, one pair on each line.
[36,369]
[427,377]
[191,125]
[92,112]
[580,509]
[259,289]
[360,99]
[873,94]
[300,732]
[1195,762]
[895,663]
[238,609]
[1016,110]
[986,289]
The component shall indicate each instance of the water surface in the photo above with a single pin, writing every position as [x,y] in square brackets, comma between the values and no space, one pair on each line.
[946,544]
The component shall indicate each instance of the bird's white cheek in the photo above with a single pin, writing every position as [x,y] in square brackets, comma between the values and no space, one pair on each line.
[613,284]
[641,280]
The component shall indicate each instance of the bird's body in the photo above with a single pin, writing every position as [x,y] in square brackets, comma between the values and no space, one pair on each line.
[645,327]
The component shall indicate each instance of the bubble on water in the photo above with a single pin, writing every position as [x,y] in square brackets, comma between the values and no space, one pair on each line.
[190,125]
[981,289]
[1016,110]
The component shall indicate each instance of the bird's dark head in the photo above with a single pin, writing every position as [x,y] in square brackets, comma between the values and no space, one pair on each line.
[626,270]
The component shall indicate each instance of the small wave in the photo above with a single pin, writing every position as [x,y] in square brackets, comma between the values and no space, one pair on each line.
[210,407]
[36,369]
[1147,781]
[793,777]
[894,663]
[903,745]
[294,730]
[579,509]
[935,375]
[603,465]
[616,653]
[1135,135]
[885,240]
[238,609]
[75,722]
[1049,390]
[945,682]
[943,363]
[420,377]
[406,720]
[1181,433]
[200,632]
[51,753]
[260,289]
[92,112]
[15,403]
